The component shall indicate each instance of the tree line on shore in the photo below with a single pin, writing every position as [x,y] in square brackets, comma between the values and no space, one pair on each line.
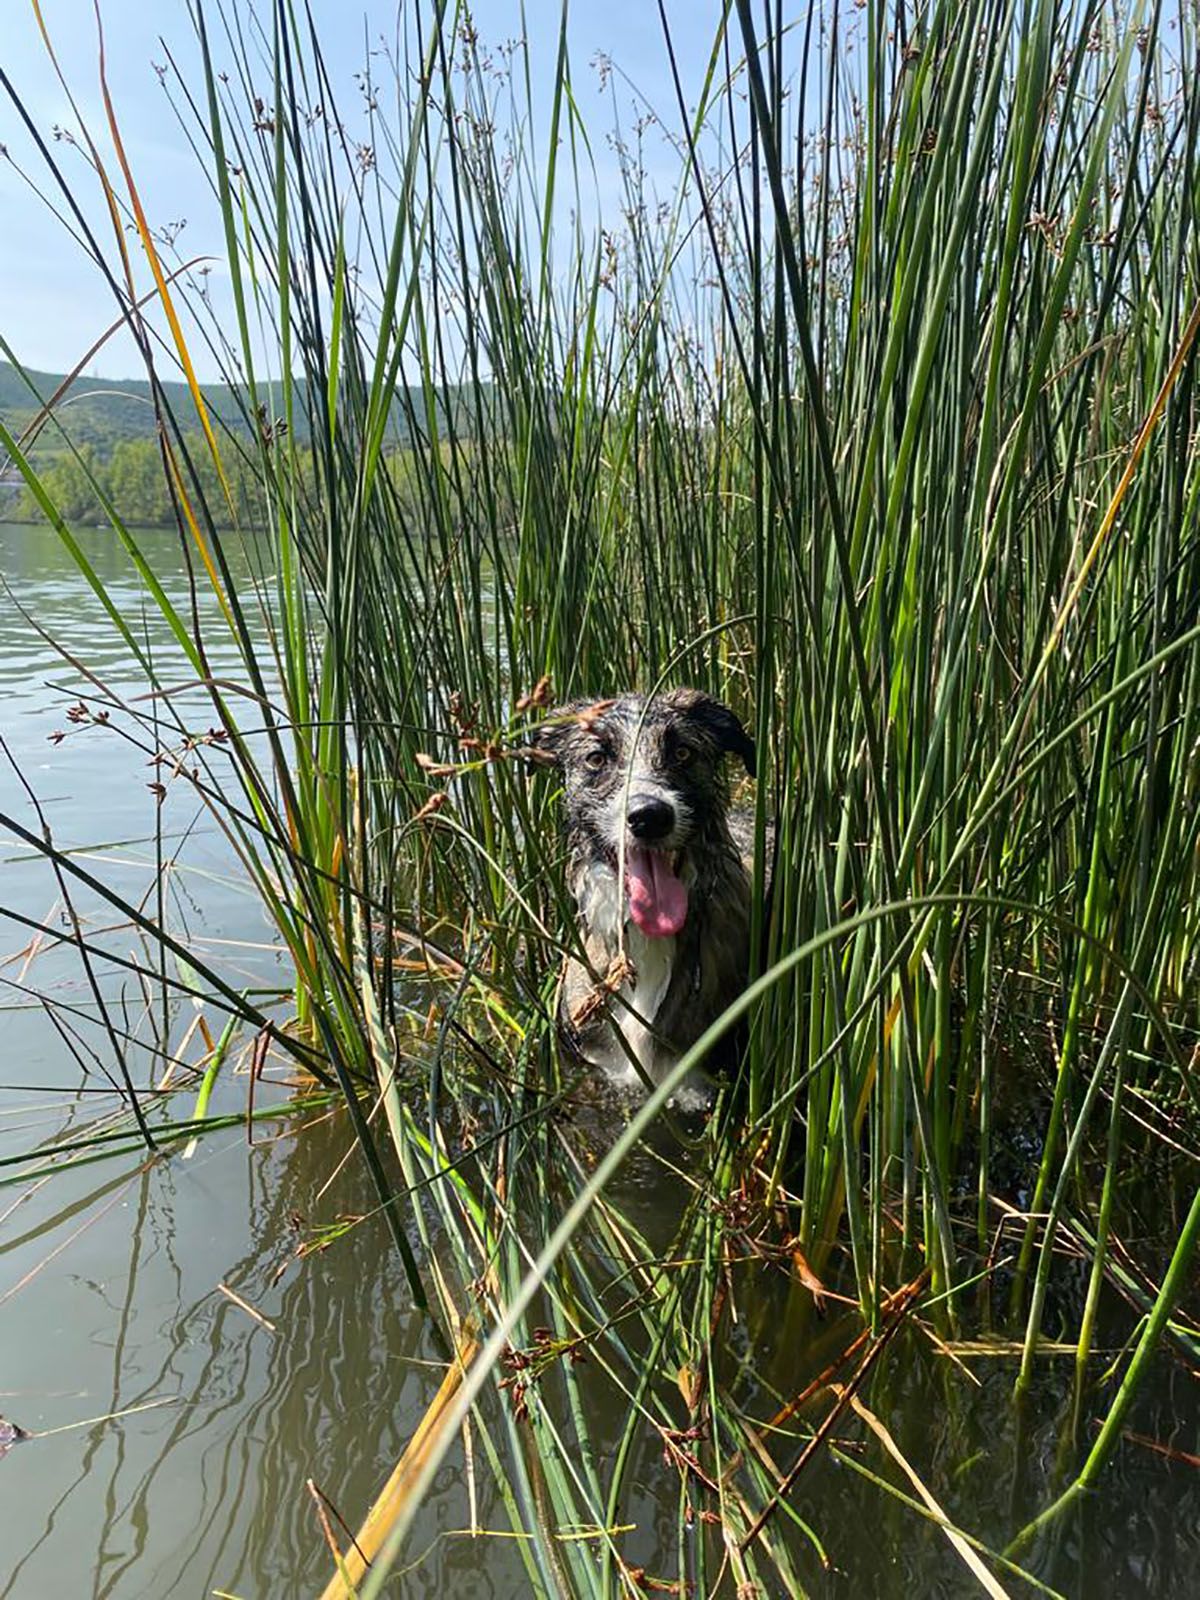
[85,484]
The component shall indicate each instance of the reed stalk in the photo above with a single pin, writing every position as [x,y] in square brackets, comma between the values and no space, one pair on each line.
[880,424]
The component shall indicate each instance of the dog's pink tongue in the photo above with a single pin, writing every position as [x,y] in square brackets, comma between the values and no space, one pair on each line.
[658,900]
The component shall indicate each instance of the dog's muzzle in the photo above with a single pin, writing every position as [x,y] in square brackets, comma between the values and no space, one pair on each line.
[650,817]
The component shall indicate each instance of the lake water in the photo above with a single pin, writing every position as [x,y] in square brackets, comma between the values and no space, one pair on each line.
[177,1432]
[109,1275]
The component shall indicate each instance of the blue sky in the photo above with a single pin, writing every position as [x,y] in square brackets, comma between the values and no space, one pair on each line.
[53,304]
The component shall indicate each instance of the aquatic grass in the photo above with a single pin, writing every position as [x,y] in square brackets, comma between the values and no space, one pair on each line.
[881,424]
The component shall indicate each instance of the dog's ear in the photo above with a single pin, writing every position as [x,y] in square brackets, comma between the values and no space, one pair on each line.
[550,738]
[718,722]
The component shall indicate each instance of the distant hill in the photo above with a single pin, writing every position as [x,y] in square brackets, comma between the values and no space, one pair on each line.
[106,412]
[116,459]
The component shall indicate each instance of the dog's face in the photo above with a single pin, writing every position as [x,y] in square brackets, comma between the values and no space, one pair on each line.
[644,782]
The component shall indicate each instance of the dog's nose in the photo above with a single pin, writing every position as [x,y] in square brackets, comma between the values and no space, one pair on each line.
[650,817]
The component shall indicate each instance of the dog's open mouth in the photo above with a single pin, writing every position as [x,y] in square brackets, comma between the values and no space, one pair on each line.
[658,897]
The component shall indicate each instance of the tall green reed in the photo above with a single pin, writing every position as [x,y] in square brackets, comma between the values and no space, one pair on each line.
[879,424]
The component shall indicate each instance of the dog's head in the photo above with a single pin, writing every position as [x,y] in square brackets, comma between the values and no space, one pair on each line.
[645,780]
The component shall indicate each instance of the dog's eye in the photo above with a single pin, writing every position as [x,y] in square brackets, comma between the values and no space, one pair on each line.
[683,753]
[596,759]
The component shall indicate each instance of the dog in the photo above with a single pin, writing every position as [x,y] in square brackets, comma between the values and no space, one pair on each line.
[660,869]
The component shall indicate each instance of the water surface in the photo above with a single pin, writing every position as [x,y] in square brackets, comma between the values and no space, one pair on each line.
[110,1274]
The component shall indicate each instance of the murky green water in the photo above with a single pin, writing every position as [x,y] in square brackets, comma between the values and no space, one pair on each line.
[110,1300]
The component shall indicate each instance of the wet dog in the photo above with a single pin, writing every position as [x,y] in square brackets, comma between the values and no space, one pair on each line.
[659,867]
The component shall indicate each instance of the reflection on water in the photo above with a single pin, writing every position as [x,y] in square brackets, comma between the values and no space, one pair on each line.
[110,1298]
[109,1276]
[210,1490]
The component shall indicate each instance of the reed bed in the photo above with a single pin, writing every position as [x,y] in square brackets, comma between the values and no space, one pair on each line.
[881,425]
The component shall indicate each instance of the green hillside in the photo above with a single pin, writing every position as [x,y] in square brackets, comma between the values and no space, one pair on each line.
[105,412]
[111,424]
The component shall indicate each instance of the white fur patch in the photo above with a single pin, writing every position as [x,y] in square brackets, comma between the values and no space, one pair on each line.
[652,961]
[600,902]
[602,909]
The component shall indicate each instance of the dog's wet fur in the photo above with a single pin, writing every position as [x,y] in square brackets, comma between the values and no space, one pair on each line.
[647,796]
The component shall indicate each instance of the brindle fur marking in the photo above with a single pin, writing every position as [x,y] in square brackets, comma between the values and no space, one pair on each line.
[680,983]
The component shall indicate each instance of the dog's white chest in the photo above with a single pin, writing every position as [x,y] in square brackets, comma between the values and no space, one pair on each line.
[602,908]
[653,961]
